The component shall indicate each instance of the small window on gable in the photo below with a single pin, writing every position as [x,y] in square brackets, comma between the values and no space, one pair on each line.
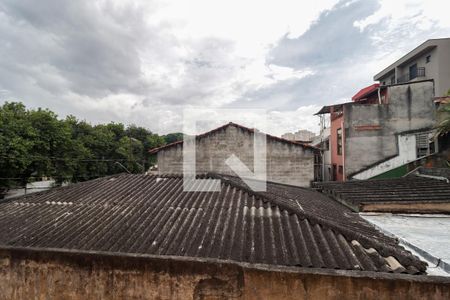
[428,58]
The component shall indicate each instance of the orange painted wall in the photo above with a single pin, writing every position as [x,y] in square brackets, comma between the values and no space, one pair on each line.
[336,159]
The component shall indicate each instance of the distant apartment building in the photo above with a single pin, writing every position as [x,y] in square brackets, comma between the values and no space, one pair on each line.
[322,142]
[381,130]
[300,135]
[430,60]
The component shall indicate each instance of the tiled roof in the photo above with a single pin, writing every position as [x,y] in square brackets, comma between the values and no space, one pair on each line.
[250,130]
[365,91]
[407,190]
[442,100]
[152,215]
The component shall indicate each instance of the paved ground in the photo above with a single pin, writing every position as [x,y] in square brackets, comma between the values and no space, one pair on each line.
[429,235]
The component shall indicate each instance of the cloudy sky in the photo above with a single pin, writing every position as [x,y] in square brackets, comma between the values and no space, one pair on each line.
[143,62]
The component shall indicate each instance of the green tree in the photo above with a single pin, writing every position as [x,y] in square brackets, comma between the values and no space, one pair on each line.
[35,143]
[443,127]
[53,151]
[173,137]
[82,154]
[137,132]
[131,150]
[16,143]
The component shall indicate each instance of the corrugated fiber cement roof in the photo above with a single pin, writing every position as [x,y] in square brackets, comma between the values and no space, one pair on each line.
[146,214]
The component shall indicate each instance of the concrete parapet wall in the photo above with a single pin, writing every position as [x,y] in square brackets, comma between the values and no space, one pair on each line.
[45,274]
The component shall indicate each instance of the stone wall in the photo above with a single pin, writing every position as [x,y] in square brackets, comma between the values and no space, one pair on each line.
[370,130]
[286,162]
[40,274]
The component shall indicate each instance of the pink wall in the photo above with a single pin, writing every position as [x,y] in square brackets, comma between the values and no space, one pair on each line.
[336,159]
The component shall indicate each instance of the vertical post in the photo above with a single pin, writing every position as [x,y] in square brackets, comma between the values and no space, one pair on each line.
[344,177]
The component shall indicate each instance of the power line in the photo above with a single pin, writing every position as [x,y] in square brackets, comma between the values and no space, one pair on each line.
[54,177]
[41,158]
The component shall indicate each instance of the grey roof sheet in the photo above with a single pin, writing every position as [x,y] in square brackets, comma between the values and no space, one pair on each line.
[413,189]
[150,215]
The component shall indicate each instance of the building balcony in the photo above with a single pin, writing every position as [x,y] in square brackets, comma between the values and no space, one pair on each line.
[419,72]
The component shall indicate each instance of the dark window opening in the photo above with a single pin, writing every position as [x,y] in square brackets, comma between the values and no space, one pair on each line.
[413,71]
[339,141]
[341,169]
[428,59]
[327,145]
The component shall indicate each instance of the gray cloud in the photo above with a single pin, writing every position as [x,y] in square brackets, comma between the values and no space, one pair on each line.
[103,61]
[330,47]
[331,39]
[84,46]
[97,50]
[343,57]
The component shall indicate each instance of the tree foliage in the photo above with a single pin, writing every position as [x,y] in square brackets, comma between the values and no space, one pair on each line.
[443,128]
[173,137]
[36,143]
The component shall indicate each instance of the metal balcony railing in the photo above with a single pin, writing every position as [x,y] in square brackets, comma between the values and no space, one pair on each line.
[420,72]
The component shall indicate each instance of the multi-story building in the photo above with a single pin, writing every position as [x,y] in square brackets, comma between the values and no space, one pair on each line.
[322,142]
[390,124]
[381,130]
[430,60]
[300,136]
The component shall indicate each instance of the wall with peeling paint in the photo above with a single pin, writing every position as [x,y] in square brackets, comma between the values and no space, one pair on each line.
[407,152]
[41,274]
[371,130]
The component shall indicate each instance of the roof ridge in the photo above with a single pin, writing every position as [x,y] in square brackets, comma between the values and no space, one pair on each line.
[212,131]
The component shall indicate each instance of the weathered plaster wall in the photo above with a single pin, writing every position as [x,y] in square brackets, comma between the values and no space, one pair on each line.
[370,130]
[26,274]
[286,163]
[407,152]
[443,67]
